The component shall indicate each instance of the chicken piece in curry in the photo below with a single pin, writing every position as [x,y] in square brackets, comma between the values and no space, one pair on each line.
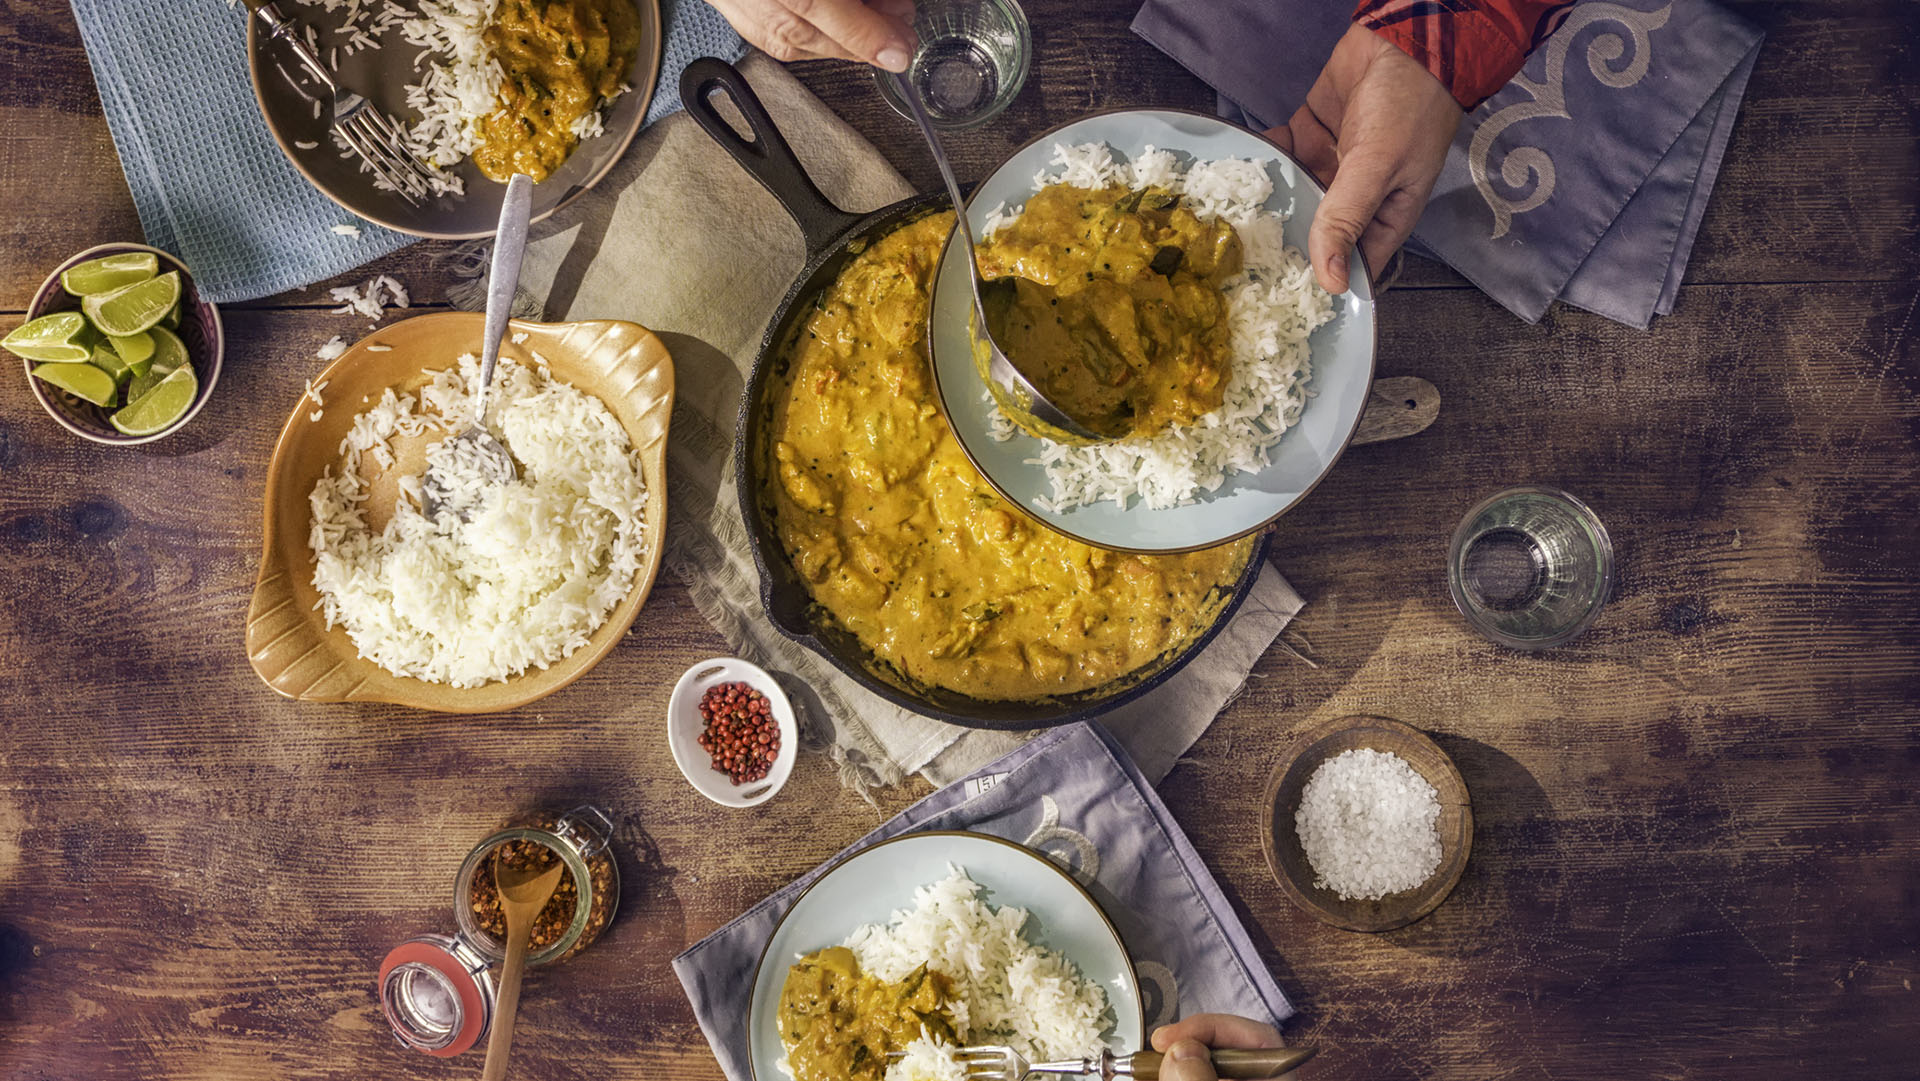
[838,1023]
[903,542]
[1109,300]
[558,60]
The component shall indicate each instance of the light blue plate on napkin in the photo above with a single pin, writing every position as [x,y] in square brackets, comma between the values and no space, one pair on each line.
[871,885]
[1343,351]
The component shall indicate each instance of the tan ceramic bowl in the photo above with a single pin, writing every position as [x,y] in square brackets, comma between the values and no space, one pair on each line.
[288,641]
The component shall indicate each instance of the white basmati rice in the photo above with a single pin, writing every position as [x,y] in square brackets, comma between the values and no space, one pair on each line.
[1272,306]
[1006,990]
[524,582]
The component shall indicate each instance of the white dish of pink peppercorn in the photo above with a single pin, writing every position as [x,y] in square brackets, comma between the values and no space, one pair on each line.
[732,731]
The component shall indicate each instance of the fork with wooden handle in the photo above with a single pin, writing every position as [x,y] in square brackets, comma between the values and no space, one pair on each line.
[996,1063]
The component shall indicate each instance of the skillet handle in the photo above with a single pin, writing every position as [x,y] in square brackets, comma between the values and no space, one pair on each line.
[767,155]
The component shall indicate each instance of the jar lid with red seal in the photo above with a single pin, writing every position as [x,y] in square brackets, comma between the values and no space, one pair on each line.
[437,991]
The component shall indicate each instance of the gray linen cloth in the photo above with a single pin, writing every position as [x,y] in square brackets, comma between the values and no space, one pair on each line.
[1073,796]
[681,240]
[1583,179]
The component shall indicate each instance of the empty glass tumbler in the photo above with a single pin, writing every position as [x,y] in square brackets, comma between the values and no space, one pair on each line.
[1530,567]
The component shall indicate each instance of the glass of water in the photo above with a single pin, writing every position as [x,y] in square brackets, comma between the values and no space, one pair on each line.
[1530,567]
[972,60]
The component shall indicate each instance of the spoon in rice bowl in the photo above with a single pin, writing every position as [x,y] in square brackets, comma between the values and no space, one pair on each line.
[475,452]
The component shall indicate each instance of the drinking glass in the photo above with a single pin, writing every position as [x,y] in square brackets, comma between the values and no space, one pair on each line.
[972,60]
[1530,567]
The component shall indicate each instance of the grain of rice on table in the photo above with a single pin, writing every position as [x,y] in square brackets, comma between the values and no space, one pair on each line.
[1273,305]
[534,570]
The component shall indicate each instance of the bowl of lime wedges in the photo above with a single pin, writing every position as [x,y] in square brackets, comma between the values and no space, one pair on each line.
[118,346]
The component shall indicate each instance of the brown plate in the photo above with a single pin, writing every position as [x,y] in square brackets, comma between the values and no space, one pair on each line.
[382,75]
[288,641]
[1288,862]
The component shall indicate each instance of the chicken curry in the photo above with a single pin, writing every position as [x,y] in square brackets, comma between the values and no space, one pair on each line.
[558,60]
[1109,301]
[904,543]
[838,1023]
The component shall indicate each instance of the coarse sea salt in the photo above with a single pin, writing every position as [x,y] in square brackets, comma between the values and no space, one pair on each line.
[1368,823]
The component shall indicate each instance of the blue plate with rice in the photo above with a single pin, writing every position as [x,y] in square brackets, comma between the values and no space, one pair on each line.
[1302,364]
[888,901]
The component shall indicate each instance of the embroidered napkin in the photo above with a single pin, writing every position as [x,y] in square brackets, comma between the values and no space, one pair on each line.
[210,184]
[1584,179]
[680,239]
[1073,796]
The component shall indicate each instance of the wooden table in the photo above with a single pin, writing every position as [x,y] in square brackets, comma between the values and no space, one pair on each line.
[1699,825]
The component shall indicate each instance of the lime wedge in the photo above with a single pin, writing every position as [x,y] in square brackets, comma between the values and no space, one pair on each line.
[134,348]
[169,352]
[172,319]
[131,309]
[169,355]
[111,272]
[80,380]
[114,365]
[159,408]
[62,337]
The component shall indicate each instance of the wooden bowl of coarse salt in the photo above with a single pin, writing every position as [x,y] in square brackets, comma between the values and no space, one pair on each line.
[1367,824]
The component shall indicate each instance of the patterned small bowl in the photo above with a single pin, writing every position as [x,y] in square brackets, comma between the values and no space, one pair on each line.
[200,331]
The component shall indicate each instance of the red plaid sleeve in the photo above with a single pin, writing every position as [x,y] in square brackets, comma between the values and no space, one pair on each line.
[1472,46]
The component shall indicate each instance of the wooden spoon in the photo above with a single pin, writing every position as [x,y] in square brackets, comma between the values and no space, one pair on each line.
[523,893]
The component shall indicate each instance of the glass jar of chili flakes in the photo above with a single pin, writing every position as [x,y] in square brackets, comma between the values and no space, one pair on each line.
[437,991]
[583,903]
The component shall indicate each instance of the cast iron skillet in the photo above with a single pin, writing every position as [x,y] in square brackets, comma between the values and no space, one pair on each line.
[834,237]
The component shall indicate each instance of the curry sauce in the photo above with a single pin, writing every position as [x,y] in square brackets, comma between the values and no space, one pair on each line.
[838,1023]
[1110,302]
[559,59]
[905,544]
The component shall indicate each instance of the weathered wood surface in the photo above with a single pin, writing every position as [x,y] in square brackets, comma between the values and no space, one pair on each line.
[1697,827]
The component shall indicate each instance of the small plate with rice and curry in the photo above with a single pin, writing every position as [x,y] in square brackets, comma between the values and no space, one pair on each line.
[1147,270]
[921,944]
[555,89]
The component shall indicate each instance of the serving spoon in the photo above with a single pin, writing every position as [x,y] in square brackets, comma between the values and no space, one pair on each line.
[503,278]
[1016,395]
[523,892]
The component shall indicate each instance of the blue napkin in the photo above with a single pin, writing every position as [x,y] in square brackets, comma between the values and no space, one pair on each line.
[1072,795]
[210,184]
[1583,179]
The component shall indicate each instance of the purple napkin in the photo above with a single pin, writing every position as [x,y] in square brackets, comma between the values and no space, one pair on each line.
[1072,795]
[1583,179]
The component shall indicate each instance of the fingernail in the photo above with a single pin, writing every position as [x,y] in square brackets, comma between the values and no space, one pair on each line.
[893,58]
[1338,264]
[1187,1051]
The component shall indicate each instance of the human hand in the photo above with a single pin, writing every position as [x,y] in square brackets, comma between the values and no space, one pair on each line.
[1185,1043]
[1375,130]
[877,32]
